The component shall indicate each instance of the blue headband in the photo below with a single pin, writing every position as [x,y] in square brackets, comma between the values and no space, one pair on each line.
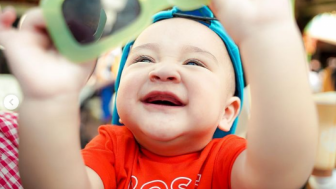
[215,26]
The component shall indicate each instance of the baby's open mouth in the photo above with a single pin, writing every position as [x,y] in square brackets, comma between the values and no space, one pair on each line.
[162,98]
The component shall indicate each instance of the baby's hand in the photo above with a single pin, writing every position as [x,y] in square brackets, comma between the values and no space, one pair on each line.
[245,18]
[41,71]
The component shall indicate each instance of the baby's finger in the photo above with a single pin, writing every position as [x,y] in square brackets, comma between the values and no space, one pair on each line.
[7,18]
[213,8]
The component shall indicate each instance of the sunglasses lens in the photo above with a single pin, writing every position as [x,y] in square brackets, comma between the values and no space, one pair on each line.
[90,20]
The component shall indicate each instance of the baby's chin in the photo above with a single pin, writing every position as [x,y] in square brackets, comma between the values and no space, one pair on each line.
[171,143]
[157,129]
[162,133]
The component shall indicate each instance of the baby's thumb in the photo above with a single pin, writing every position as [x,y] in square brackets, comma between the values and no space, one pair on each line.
[7,18]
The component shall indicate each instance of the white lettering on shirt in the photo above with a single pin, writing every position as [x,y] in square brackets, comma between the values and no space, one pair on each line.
[178,183]
[198,179]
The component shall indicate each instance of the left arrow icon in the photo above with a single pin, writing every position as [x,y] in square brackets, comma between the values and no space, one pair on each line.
[11,102]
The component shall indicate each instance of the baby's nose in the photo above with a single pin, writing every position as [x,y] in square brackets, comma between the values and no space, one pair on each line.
[165,72]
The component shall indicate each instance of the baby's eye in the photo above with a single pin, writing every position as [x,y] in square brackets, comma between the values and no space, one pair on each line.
[194,63]
[144,59]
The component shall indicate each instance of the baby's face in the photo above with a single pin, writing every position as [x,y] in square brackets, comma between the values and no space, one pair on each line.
[175,86]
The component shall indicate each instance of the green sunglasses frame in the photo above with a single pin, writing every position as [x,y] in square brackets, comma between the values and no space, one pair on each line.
[76,52]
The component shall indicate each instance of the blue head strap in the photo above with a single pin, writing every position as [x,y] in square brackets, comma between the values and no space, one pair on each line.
[215,26]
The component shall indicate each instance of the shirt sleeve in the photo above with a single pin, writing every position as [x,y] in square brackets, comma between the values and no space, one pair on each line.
[99,156]
[231,147]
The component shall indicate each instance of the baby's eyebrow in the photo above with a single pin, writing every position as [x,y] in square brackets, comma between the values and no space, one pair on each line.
[190,48]
[150,46]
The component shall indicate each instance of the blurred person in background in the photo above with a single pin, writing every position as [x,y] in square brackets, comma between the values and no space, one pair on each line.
[97,95]
[315,78]
[106,72]
[329,75]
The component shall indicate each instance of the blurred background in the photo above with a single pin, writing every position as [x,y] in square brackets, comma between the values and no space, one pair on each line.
[316,20]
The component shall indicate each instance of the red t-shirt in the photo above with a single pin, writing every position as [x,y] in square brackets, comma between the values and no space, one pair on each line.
[121,163]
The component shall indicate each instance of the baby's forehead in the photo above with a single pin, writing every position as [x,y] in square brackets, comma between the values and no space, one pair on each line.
[180,31]
[180,26]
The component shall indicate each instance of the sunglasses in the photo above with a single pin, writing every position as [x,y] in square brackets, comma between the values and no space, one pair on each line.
[82,30]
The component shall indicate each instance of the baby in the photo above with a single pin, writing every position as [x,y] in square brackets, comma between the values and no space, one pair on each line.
[179,81]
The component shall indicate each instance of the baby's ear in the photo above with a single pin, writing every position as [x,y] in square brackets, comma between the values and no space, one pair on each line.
[230,113]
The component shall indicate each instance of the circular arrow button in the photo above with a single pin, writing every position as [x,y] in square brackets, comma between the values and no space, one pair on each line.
[11,102]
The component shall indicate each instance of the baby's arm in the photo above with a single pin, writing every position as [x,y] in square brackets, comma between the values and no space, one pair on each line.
[282,132]
[49,149]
